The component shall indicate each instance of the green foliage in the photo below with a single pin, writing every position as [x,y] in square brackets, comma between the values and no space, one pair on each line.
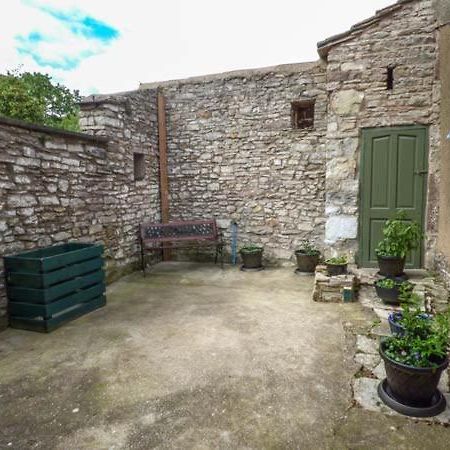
[406,294]
[251,248]
[34,98]
[425,342]
[337,261]
[400,237]
[386,283]
[307,248]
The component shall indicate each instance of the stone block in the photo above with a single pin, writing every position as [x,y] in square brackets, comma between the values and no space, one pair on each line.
[341,227]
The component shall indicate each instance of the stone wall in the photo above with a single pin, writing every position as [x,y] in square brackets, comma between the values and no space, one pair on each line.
[58,186]
[358,98]
[234,155]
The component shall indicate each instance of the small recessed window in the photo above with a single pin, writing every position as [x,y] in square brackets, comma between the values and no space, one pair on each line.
[139,166]
[390,78]
[302,114]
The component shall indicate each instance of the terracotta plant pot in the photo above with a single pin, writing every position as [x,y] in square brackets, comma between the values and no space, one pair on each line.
[306,263]
[391,266]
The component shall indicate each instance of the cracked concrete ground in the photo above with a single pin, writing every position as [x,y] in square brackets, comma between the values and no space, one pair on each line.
[193,356]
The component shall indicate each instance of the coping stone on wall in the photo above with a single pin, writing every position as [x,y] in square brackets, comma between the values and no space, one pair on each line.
[97,140]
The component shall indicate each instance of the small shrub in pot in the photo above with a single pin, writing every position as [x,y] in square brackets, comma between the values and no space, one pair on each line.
[336,265]
[393,292]
[399,238]
[251,255]
[307,257]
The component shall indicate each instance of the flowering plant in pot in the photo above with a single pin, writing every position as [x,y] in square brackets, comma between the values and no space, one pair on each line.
[251,255]
[400,236]
[337,265]
[393,292]
[414,361]
[308,256]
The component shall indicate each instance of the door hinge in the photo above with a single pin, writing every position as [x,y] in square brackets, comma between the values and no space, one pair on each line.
[421,172]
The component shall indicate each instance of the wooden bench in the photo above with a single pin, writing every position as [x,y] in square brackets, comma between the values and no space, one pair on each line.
[182,234]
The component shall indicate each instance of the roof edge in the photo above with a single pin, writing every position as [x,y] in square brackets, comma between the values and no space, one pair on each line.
[323,47]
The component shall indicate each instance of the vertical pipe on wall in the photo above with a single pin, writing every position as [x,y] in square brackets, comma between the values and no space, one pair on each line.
[234,231]
[163,175]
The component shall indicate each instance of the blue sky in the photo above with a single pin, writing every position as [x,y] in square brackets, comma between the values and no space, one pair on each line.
[93,36]
[108,46]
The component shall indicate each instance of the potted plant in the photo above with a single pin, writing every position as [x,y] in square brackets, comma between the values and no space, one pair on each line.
[392,291]
[336,265]
[251,255]
[414,361]
[307,257]
[400,237]
[395,318]
[395,321]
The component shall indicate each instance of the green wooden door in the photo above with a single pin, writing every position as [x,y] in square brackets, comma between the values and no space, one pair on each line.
[393,178]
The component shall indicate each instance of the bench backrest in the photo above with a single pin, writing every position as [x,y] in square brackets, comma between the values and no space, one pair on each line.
[179,231]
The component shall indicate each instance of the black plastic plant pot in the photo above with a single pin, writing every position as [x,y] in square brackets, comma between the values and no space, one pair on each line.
[391,266]
[388,295]
[251,259]
[414,387]
[336,269]
[306,263]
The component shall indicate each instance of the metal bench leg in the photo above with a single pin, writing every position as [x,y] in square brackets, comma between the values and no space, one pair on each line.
[143,261]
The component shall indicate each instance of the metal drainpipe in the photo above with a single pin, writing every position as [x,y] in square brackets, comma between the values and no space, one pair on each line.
[234,232]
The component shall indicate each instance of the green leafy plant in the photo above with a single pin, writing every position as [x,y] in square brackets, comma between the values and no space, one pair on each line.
[404,287]
[308,248]
[337,261]
[424,343]
[33,97]
[386,283]
[251,248]
[400,237]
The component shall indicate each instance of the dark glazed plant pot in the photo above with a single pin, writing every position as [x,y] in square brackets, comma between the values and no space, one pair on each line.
[251,260]
[394,319]
[412,386]
[388,295]
[391,266]
[336,269]
[395,327]
[306,263]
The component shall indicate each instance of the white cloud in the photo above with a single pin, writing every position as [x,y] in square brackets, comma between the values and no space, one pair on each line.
[178,38]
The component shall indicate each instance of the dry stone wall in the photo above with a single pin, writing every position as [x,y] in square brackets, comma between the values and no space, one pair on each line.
[357,89]
[234,155]
[57,187]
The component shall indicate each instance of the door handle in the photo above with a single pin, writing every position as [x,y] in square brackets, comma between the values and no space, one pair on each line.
[421,172]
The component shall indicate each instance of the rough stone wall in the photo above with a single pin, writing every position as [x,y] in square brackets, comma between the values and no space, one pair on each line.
[443,242]
[56,188]
[129,121]
[234,155]
[358,98]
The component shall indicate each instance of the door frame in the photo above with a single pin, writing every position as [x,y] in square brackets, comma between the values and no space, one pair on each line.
[397,128]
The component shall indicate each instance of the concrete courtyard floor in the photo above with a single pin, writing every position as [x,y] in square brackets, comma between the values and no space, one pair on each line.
[193,356]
